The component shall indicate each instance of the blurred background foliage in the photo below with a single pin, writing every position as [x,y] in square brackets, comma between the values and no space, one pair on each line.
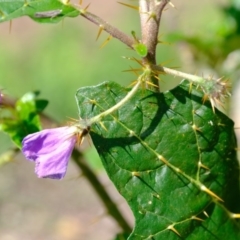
[57,60]
[217,47]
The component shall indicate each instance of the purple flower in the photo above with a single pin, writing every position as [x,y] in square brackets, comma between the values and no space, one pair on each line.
[50,149]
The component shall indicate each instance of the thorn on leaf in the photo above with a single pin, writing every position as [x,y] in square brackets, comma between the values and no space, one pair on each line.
[171,227]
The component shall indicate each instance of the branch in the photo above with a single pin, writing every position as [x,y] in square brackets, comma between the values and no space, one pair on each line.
[216,90]
[159,9]
[116,33]
[150,15]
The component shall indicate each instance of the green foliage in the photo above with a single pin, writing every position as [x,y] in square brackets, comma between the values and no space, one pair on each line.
[121,236]
[43,11]
[221,38]
[23,119]
[232,12]
[141,49]
[172,159]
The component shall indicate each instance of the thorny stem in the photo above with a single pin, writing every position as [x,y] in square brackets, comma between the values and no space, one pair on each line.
[150,16]
[144,77]
[114,32]
[176,73]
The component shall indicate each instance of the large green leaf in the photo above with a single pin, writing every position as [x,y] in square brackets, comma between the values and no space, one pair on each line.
[48,11]
[172,159]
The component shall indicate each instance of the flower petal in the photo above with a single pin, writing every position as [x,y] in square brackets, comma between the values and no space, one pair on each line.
[51,150]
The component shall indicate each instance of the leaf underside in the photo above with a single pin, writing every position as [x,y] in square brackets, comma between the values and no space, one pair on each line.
[43,11]
[171,158]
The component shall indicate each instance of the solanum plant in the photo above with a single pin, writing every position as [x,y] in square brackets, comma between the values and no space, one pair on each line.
[171,155]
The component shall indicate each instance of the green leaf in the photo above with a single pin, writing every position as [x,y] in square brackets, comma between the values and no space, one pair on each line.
[141,49]
[121,236]
[172,159]
[44,11]
[23,119]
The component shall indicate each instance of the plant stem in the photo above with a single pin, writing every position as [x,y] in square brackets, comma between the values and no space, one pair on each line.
[100,190]
[114,32]
[190,77]
[150,16]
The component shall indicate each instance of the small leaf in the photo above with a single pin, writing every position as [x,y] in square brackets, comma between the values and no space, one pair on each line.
[41,105]
[141,49]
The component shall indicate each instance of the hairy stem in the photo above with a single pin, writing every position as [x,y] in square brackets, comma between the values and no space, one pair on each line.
[150,15]
[100,190]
